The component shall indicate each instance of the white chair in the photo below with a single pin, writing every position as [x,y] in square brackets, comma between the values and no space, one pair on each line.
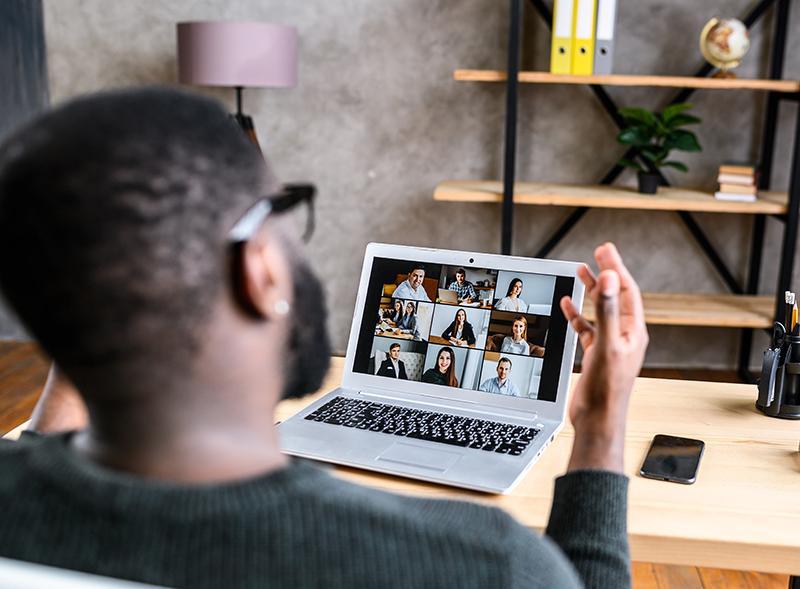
[15,574]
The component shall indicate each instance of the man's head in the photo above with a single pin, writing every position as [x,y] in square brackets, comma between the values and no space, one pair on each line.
[503,368]
[114,214]
[394,351]
[461,276]
[415,276]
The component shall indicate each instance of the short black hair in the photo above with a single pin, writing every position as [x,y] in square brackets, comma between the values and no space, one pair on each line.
[393,346]
[504,359]
[416,267]
[461,271]
[113,214]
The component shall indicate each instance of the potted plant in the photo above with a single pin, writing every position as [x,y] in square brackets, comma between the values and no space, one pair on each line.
[655,135]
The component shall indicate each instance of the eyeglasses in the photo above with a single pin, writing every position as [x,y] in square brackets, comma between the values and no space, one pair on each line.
[284,201]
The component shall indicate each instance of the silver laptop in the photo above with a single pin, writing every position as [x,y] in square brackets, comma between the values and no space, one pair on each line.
[473,408]
[448,296]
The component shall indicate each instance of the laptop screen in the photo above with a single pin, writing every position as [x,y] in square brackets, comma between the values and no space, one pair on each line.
[484,329]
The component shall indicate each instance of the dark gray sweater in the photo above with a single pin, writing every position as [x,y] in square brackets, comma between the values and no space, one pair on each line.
[298,527]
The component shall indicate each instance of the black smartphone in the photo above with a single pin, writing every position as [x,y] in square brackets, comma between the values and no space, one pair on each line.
[673,459]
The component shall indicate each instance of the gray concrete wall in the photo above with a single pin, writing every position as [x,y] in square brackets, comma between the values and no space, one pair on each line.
[377,121]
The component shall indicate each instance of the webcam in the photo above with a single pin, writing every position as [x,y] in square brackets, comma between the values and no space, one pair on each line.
[472,260]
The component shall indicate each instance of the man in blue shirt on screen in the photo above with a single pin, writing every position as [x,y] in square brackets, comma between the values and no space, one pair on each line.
[502,384]
[411,288]
[464,288]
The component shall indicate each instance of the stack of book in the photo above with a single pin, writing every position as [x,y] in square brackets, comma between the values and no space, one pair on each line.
[737,182]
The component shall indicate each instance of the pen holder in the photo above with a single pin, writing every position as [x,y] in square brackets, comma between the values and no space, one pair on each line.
[779,386]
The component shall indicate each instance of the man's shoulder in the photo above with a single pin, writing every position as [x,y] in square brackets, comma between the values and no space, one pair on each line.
[461,522]
[15,457]
[479,539]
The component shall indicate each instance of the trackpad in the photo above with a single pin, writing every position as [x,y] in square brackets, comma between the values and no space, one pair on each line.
[418,456]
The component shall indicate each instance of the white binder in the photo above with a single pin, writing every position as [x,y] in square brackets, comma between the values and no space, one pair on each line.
[604,37]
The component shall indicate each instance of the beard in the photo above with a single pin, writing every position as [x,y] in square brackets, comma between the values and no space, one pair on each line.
[309,351]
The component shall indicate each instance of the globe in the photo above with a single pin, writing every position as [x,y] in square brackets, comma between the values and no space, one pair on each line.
[724,42]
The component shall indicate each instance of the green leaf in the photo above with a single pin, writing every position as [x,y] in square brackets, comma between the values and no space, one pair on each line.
[654,156]
[680,120]
[682,140]
[674,110]
[677,165]
[630,164]
[639,116]
[634,136]
[656,150]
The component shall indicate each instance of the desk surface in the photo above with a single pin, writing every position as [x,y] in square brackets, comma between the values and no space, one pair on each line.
[742,513]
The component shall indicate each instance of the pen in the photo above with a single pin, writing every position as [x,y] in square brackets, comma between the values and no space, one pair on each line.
[795,324]
[789,298]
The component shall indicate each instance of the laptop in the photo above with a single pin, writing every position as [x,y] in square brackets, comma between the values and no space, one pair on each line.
[473,415]
[448,296]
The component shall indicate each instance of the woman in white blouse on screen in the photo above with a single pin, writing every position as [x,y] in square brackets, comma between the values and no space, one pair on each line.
[512,302]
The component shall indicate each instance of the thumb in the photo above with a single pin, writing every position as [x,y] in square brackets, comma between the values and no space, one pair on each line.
[607,306]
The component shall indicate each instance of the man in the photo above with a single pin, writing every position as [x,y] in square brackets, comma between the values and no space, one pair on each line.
[464,288]
[393,367]
[180,337]
[502,383]
[411,287]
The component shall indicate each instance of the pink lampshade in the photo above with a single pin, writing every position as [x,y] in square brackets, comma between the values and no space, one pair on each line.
[249,54]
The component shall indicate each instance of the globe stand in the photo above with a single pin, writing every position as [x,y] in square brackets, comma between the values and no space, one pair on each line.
[724,74]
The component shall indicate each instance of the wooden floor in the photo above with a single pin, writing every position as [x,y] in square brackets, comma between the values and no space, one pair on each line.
[23,371]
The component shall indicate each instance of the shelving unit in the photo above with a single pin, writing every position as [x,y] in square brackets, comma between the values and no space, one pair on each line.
[741,309]
[785,86]
[600,196]
[699,310]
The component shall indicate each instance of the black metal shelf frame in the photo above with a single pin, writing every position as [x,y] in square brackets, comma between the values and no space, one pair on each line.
[778,50]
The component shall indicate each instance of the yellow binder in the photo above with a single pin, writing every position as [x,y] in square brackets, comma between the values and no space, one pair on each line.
[561,46]
[583,37]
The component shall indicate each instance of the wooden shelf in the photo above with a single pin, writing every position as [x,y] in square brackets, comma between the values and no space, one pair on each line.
[609,197]
[703,310]
[627,80]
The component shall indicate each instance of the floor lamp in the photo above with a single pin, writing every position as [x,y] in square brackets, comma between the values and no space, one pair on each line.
[237,55]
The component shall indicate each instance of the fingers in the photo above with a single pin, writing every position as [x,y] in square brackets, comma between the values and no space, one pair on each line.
[608,324]
[586,276]
[608,258]
[582,327]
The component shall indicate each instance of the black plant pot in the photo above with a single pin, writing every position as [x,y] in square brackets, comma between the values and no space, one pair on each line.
[648,183]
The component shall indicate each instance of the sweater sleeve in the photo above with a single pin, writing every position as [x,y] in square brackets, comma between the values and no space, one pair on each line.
[588,521]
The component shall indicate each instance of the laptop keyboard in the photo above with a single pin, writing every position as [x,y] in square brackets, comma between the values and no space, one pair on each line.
[455,430]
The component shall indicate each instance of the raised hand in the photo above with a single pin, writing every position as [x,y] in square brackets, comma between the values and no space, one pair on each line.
[614,350]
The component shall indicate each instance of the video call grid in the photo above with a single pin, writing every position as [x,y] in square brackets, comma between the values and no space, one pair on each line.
[430,310]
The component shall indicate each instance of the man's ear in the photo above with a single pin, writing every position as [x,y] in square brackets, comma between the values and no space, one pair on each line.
[262,278]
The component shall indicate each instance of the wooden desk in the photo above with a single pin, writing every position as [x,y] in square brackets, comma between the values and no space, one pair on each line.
[394,334]
[485,306]
[743,512]
[436,339]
